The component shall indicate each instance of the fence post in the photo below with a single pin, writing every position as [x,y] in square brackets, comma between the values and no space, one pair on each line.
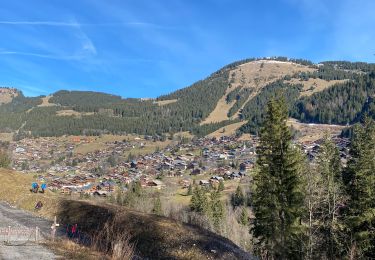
[53,227]
[36,234]
[8,239]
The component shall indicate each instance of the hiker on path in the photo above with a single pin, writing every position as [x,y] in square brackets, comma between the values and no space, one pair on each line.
[43,187]
[34,187]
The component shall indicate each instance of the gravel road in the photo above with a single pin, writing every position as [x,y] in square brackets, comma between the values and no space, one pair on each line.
[23,247]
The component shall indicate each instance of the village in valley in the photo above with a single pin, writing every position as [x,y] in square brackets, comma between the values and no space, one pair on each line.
[94,166]
[120,162]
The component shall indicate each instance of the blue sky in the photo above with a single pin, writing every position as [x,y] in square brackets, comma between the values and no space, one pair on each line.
[144,48]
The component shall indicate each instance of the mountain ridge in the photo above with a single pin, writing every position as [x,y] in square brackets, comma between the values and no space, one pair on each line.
[235,93]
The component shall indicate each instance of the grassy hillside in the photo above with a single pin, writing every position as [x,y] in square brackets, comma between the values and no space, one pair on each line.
[249,78]
[16,191]
[155,237]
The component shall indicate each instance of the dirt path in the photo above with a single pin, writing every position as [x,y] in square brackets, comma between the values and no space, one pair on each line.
[24,249]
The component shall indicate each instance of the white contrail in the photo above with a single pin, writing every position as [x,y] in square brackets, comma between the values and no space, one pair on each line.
[39,55]
[48,23]
[76,24]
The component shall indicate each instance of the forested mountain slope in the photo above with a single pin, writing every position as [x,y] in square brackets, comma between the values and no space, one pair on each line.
[330,92]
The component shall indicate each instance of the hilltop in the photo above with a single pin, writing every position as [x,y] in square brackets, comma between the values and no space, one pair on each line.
[331,92]
[7,94]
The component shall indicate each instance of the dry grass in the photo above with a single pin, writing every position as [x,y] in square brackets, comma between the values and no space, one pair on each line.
[149,147]
[255,75]
[258,74]
[70,112]
[313,132]
[227,130]
[177,207]
[114,241]
[68,249]
[89,148]
[156,237]
[184,134]
[16,191]
[245,137]
[6,137]
[220,113]
[99,143]
[46,103]
[113,138]
[166,102]
[312,86]
[180,197]
[7,95]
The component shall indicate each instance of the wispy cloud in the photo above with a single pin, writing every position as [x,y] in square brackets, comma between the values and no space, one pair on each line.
[42,55]
[75,24]
[46,23]
[86,48]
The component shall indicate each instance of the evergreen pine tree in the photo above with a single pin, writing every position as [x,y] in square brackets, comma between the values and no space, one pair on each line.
[217,210]
[238,198]
[359,178]
[199,202]
[277,188]
[329,170]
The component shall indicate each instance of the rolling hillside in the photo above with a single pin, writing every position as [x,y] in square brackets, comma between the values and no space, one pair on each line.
[328,92]
[155,237]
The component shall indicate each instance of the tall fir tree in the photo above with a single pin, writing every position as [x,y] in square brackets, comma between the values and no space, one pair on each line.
[217,210]
[327,199]
[199,201]
[313,196]
[238,198]
[277,190]
[359,178]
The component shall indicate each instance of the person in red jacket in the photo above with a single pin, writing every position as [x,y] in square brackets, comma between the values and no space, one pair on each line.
[74,230]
